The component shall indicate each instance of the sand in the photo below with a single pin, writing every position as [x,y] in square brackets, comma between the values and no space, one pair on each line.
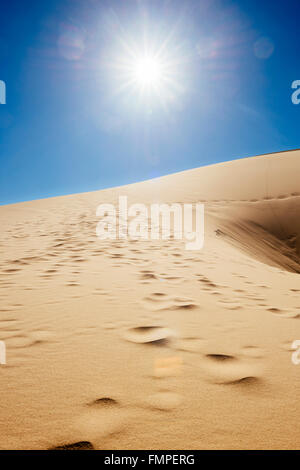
[141,344]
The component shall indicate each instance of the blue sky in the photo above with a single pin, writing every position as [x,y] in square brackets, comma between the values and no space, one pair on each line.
[70,124]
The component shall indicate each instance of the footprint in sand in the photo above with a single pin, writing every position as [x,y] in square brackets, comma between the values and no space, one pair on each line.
[286,314]
[21,340]
[160,301]
[82,445]
[41,336]
[155,301]
[17,341]
[275,310]
[156,296]
[172,279]
[99,422]
[253,351]
[149,335]
[226,369]
[220,357]
[190,344]
[181,303]
[147,276]
[104,402]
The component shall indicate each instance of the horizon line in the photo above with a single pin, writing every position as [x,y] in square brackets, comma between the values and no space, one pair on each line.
[148,179]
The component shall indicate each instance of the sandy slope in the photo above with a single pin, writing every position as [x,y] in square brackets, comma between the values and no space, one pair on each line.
[141,344]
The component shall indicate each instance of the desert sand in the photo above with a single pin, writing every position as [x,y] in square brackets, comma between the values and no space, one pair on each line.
[143,345]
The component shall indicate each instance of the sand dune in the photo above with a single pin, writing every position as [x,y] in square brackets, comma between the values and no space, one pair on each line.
[141,344]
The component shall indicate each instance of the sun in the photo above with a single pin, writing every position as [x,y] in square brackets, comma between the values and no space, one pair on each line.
[147,72]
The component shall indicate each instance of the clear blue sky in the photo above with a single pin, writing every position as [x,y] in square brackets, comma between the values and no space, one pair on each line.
[70,125]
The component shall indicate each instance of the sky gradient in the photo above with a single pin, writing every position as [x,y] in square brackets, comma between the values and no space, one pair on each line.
[71,125]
